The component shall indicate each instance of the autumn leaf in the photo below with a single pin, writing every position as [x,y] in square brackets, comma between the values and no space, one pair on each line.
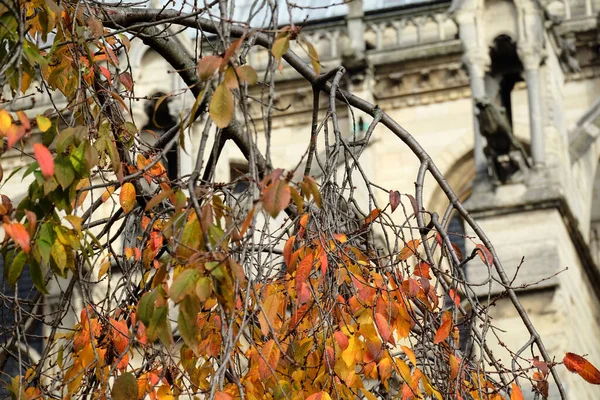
[516,393]
[383,327]
[221,106]
[5,121]
[341,339]
[454,366]
[409,249]
[371,217]
[269,360]
[126,80]
[247,74]
[287,250]
[485,254]
[444,330]
[127,197]
[276,197]
[208,65]
[17,232]
[184,284]
[125,387]
[280,47]
[303,271]
[314,57]
[43,123]
[44,159]
[579,365]
[223,396]
[319,396]
[394,199]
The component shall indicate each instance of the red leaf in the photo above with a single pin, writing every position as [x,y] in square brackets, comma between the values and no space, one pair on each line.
[394,199]
[19,234]
[444,329]
[303,271]
[14,133]
[516,393]
[329,357]
[44,159]
[105,72]
[384,328]
[126,80]
[485,255]
[583,367]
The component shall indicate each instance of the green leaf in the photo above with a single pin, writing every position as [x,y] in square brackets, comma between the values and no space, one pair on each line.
[247,74]
[186,321]
[221,106]
[314,57]
[204,288]
[125,387]
[16,268]
[157,322]
[59,255]
[191,238]
[37,276]
[65,175]
[280,47]
[146,307]
[184,284]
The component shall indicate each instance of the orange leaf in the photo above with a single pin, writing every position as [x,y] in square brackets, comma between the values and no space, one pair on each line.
[454,366]
[384,328]
[410,354]
[409,250]
[276,197]
[516,393]
[374,214]
[303,271]
[319,396]
[44,159]
[127,197]
[422,269]
[14,133]
[341,339]
[287,250]
[444,329]
[19,234]
[223,396]
[583,367]
[455,297]
[268,362]
[208,66]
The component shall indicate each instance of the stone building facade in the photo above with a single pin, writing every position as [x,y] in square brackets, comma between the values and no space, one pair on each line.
[424,63]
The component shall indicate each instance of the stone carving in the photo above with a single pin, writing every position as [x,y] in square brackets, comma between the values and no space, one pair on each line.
[507,159]
[567,56]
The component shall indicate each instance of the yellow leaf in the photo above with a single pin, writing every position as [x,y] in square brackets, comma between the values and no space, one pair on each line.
[103,269]
[354,348]
[127,197]
[164,393]
[107,193]
[5,121]
[368,395]
[43,123]
[221,106]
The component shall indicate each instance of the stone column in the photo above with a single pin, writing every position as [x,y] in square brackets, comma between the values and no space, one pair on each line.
[477,61]
[356,27]
[531,58]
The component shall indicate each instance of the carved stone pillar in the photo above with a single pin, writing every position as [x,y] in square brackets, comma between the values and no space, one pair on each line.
[531,58]
[477,61]
[356,26]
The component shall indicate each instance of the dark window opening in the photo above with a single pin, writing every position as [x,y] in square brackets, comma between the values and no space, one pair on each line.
[506,70]
[160,121]
[237,170]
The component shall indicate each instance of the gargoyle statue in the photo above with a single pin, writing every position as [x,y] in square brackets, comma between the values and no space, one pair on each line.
[505,155]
